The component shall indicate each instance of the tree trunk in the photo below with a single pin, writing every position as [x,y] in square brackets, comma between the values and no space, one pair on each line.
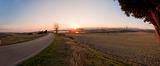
[56,30]
[157,31]
[156,17]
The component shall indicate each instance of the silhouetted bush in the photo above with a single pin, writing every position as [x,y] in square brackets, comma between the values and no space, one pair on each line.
[29,33]
[43,32]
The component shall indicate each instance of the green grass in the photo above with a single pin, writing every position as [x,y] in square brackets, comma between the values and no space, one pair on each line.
[54,55]
[59,54]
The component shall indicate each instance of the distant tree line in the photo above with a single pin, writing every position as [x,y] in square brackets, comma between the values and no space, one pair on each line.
[43,32]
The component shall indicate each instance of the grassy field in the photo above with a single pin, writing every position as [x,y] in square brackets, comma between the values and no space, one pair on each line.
[13,38]
[138,47]
[66,52]
[54,55]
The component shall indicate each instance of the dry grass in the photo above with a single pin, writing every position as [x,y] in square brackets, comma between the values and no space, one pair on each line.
[13,38]
[67,52]
[137,47]
[82,55]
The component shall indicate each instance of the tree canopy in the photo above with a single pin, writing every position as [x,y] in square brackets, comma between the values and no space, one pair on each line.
[139,8]
[149,10]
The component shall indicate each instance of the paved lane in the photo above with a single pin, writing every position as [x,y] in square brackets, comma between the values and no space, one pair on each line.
[13,54]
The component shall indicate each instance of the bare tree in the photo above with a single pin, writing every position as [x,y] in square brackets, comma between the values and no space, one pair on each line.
[56,27]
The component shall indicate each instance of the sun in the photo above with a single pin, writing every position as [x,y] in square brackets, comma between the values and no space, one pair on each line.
[75,26]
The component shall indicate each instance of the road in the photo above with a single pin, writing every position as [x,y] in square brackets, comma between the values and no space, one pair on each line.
[12,54]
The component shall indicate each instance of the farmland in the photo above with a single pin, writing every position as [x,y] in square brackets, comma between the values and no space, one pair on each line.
[66,52]
[13,38]
[138,47]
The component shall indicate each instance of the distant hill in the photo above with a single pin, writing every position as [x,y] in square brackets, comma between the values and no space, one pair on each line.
[108,30]
[4,35]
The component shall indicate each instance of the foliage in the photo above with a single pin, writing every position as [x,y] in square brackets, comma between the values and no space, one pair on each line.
[149,10]
[139,8]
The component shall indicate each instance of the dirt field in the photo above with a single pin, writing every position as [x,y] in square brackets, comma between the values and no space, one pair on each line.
[136,47]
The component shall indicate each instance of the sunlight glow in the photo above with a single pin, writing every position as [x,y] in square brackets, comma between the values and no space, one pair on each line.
[75,26]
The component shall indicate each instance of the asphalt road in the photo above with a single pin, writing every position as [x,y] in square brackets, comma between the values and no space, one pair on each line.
[12,54]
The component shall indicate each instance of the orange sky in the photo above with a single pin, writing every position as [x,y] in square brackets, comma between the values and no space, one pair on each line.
[35,15]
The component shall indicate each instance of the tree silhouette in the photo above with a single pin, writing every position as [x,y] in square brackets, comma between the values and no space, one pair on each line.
[45,31]
[149,10]
[56,27]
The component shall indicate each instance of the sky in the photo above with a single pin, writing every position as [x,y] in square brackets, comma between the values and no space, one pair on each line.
[35,15]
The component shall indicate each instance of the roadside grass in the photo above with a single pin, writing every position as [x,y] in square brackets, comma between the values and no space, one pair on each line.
[66,52]
[55,54]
